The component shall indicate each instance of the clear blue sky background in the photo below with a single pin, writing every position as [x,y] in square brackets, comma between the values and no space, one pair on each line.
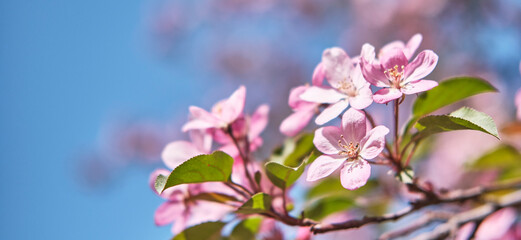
[64,66]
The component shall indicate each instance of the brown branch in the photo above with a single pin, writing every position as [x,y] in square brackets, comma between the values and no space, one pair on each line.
[424,221]
[450,197]
[244,157]
[473,215]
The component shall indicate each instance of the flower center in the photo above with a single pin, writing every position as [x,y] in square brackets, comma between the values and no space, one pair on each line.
[350,149]
[395,75]
[347,87]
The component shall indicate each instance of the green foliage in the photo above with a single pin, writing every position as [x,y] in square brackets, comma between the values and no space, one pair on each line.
[215,167]
[246,229]
[160,183]
[462,119]
[207,230]
[325,206]
[258,203]
[448,92]
[283,176]
[294,150]
[503,156]
[214,197]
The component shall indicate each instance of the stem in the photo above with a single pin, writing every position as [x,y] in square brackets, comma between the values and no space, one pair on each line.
[396,140]
[411,153]
[284,202]
[244,157]
[370,119]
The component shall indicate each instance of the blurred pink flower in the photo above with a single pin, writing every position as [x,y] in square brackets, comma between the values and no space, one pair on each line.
[495,226]
[177,152]
[408,49]
[303,111]
[395,74]
[349,145]
[518,99]
[183,211]
[223,112]
[348,86]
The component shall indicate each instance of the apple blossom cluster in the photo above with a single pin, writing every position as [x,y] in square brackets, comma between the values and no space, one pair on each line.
[217,174]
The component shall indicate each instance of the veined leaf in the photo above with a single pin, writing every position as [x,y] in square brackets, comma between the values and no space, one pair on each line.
[215,167]
[462,119]
[258,203]
[283,176]
[294,150]
[448,92]
[207,230]
[246,229]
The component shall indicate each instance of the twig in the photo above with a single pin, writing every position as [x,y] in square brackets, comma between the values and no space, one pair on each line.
[244,157]
[424,221]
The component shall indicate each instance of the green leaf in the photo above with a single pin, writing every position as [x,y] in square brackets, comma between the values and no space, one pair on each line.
[207,230]
[448,92]
[294,150]
[258,203]
[503,156]
[283,176]
[215,167]
[462,119]
[246,229]
[214,197]
[331,186]
[325,206]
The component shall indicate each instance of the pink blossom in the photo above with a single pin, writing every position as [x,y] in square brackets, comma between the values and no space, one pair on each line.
[495,226]
[177,152]
[518,99]
[348,147]
[223,112]
[183,211]
[395,74]
[408,49]
[348,86]
[303,111]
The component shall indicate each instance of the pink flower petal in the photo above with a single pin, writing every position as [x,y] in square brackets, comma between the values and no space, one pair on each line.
[234,105]
[200,119]
[390,46]
[323,166]
[374,142]
[412,45]
[331,112]
[367,53]
[353,125]
[394,57]
[259,121]
[230,149]
[363,99]
[201,140]
[374,74]
[497,224]
[518,104]
[326,140]
[318,75]
[322,95]
[294,100]
[178,152]
[386,95]
[205,211]
[337,65]
[354,174]
[421,66]
[167,212]
[295,122]
[418,86]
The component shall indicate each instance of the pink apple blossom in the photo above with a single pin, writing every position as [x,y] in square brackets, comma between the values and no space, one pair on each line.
[395,74]
[223,113]
[347,147]
[347,82]
[183,211]
[303,111]
[177,152]
[408,49]
[495,226]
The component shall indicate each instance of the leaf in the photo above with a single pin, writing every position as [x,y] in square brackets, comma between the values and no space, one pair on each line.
[207,230]
[448,92]
[503,156]
[294,150]
[283,176]
[258,203]
[246,229]
[215,167]
[326,206]
[214,197]
[331,187]
[462,119]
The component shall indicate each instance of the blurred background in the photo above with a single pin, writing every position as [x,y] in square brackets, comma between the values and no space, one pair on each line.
[91,91]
